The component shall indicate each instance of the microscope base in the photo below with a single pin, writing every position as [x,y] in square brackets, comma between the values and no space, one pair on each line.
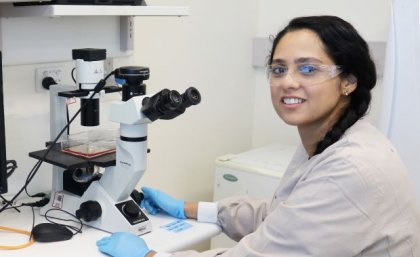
[114,216]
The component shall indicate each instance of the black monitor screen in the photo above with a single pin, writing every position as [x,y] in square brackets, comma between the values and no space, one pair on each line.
[3,164]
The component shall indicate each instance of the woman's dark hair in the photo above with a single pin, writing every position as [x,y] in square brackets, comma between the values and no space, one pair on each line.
[346,48]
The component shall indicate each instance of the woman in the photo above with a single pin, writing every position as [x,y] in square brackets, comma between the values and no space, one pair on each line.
[345,192]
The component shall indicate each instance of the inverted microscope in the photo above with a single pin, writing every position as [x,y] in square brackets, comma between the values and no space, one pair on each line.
[107,200]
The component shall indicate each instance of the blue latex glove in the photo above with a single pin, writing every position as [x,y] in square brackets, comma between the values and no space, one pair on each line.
[123,244]
[155,201]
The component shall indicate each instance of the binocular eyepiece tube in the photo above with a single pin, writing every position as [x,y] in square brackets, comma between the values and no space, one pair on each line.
[166,104]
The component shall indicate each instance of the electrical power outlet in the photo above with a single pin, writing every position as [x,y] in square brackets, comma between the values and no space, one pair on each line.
[41,73]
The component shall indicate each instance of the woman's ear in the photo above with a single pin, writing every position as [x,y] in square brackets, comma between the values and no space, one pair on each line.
[351,79]
[349,84]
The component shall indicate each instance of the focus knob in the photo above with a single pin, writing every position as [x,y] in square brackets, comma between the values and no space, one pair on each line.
[131,209]
[89,211]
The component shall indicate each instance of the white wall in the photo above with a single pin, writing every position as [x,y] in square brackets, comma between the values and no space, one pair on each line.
[370,18]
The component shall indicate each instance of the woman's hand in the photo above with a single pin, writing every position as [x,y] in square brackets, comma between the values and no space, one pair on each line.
[123,244]
[155,201]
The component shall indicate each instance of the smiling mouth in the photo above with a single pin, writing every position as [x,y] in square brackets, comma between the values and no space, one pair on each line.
[292,100]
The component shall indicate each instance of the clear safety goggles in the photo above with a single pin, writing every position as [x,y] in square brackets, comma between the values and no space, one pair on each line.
[306,74]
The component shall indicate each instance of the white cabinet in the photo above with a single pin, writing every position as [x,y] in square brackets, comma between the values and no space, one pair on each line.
[256,173]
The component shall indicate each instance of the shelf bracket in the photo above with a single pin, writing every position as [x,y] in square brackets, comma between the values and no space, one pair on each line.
[126,33]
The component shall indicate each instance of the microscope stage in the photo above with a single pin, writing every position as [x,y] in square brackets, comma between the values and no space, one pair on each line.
[68,161]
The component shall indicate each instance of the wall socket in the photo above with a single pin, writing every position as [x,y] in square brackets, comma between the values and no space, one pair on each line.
[54,72]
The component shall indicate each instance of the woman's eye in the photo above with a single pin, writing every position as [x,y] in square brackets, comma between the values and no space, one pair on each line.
[279,70]
[307,69]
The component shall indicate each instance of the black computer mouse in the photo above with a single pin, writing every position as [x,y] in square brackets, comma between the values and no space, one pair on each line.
[50,232]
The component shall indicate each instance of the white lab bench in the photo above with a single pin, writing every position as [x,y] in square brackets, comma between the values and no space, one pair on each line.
[160,239]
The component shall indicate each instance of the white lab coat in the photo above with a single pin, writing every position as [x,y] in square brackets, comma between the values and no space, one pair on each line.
[354,199]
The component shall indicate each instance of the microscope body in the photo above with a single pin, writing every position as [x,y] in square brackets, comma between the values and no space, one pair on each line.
[106,204]
[105,201]
[112,191]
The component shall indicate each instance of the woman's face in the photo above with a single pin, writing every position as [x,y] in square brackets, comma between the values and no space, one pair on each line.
[295,98]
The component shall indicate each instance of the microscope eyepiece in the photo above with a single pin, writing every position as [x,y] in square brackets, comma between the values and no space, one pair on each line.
[161,103]
[170,100]
[191,97]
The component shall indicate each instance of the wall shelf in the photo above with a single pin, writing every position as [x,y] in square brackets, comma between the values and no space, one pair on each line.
[28,35]
[10,11]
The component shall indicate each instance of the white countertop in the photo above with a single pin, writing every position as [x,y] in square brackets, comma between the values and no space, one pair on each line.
[160,239]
